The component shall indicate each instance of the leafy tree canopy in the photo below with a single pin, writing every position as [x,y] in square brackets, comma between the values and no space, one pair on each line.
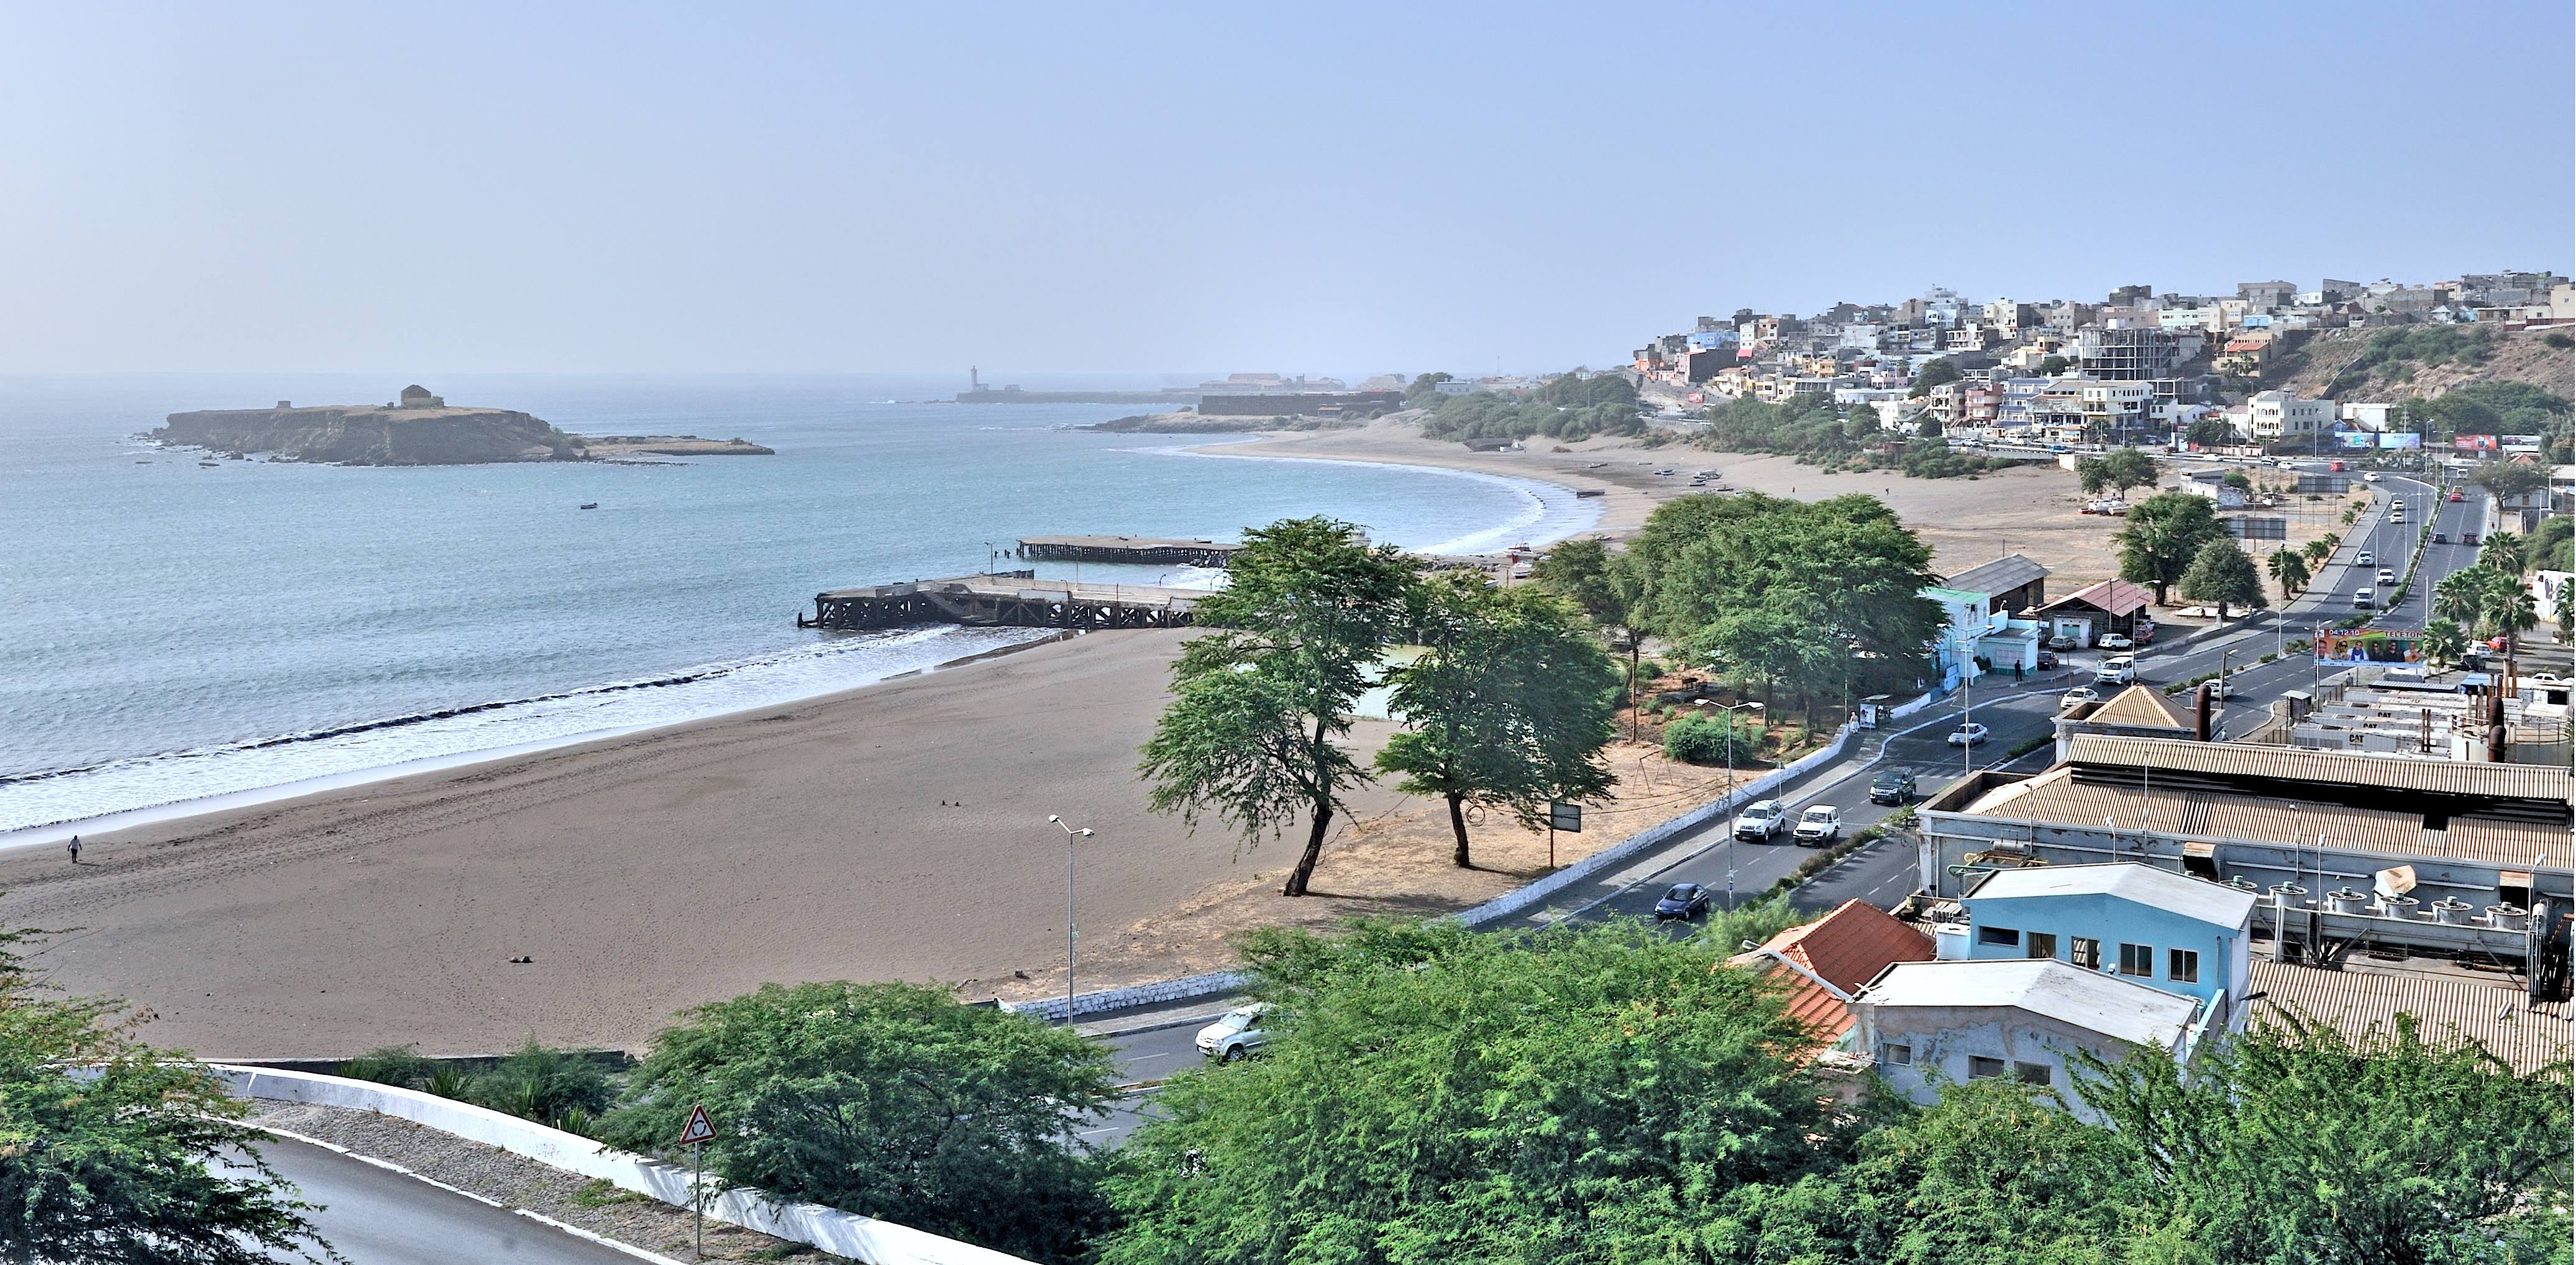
[2221,573]
[888,1100]
[1938,371]
[2161,537]
[2051,366]
[112,1151]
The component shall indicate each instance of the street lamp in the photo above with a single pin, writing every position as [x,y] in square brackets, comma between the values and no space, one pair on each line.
[1730,786]
[1070,834]
[2218,714]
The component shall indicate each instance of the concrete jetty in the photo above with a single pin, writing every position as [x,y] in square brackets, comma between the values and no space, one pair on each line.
[1015,599]
[1162,550]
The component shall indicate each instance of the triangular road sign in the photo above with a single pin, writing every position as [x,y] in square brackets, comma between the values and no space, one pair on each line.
[699,1129]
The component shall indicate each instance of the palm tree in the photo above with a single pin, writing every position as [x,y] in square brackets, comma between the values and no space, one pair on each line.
[2443,644]
[2321,548]
[2290,569]
[2504,552]
[2461,595]
[2506,608]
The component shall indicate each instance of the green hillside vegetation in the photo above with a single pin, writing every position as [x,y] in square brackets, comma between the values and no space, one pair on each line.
[2393,355]
[1570,408]
[2492,408]
[1807,428]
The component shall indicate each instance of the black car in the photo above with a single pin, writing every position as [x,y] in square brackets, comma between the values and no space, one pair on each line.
[1684,901]
[1892,787]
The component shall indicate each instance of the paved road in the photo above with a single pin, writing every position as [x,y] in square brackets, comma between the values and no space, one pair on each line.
[378,1217]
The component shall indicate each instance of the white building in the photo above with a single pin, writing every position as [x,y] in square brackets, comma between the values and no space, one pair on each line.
[2279,415]
[1925,1022]
[2369,417]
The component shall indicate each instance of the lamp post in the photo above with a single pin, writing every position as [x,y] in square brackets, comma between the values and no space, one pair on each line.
[1730,787]
[1070,834]
[2218,718]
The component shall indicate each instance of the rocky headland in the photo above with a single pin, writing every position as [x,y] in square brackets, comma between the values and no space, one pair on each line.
[1196,424]
[417,429]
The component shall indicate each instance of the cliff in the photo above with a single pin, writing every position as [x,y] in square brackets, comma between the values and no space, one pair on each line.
[370,435]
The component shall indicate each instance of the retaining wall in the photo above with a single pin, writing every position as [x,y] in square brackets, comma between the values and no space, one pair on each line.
[845,1234]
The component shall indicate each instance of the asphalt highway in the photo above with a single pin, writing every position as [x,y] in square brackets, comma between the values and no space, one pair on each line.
[375,1216]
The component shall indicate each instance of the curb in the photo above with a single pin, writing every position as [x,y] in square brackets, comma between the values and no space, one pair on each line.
[539,1217]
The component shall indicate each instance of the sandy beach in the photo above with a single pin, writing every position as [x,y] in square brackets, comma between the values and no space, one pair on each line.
[897,831]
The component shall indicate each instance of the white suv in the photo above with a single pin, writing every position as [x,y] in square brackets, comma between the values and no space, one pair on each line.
[1235,1033]
[2121,671]
[1762,821]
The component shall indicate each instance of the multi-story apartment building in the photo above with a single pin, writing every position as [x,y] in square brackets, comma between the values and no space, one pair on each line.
[2274,416]
[2132,353]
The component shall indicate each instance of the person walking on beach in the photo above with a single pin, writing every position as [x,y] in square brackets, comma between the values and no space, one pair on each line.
[75,849]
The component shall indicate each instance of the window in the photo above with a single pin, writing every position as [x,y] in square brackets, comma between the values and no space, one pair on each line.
[1979,1068]
[2185,967]
[1899,1055]
[2042,945]
[1998,935]
[2086,953]
[2031,1073]
[2138,960]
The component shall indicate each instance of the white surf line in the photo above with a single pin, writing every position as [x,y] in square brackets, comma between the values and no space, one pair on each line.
[1543,497]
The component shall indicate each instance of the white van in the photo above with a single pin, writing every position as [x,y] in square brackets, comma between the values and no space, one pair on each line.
[2120,671]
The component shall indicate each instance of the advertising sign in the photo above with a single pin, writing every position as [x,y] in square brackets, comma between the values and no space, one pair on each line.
[2400,439]
[2377,645]
[2354,438]
[2473,443]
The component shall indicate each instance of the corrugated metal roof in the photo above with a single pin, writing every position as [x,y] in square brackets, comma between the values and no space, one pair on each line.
[2055,796]
[2002,575]
[2085,999]
[2450,777]
[2119,597]
[2447,1009]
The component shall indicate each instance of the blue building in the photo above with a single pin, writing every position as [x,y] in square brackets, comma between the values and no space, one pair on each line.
[2143,924]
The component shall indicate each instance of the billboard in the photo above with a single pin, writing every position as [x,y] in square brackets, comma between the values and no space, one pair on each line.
[2354,438]
[2400,439]
[2383,645]
[2473,443]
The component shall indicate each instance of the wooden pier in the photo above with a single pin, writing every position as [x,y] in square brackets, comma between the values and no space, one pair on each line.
[1015,599]
[1147,549]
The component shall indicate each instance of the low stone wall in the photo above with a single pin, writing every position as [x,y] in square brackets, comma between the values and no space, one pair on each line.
[842,1233]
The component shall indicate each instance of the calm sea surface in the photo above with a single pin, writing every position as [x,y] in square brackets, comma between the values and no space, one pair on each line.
[170,632]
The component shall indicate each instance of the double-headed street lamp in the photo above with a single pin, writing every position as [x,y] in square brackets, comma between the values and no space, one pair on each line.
[1730,711]
[1070,834]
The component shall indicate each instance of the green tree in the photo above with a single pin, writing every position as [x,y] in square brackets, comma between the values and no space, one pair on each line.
[2126,468]
[2553,544]
[2443,643]
[1508,706]
[2238,480]
[2221,573]
[2320,549]
[1425,391]
[1938,371]
[1437,1095]
[2051,366]
[2290,570]
[2092,474]
[1300,625]
[2506,479]
[112,1151]
[889,1100]
[1928,428]
[2210,432]
[2504,552]
[2506,608]
[2163,535]
[2461,596]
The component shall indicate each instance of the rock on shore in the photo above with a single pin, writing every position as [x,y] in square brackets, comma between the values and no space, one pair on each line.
[420,430]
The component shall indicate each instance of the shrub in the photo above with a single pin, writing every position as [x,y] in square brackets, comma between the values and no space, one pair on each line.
[1702,739]
[552,1087]
[402,1066]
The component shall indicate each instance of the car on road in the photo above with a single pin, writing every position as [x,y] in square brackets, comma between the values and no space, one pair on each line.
[2456,498]
[2114,641]
[2468,538]
[2063,641]
[1895,786]
[1762,821]
[2371,477]
[2363,560]
[2121,671]
[2441,538]
[1235,1033]
[2047,660]
[2220,689]
[2387,576]
[2365,597]
[1819,825]
[1684,901]
[2545,678]
[2080,694]
[2059,450]
[1968,735]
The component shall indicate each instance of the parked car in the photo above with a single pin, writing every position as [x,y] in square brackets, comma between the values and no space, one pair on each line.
[1762,821]
[2047,660]
[1895,786]
[2121,671]
[2365,597]
[2062,641]
[2387,576]
[1819,825]
[1968,735]
[2114,641]
[2080,694]
[2055,450]
[2363,560]
[1684,901]
[2142,629]
[2545,678]
[1235,1033]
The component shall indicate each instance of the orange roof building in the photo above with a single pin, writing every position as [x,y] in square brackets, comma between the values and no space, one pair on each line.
[1825,962]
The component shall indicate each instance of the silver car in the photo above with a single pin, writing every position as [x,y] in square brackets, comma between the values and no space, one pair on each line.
[1235,1033]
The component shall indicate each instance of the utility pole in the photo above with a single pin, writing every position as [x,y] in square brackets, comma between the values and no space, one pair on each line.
[1070,834]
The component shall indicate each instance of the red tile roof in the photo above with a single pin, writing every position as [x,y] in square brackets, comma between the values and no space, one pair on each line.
[1824,1014]
[1850,946]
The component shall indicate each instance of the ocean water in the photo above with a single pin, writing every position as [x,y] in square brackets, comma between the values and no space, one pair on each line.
[170,632]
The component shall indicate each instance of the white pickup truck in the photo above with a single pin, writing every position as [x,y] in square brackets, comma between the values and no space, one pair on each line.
[1819,825]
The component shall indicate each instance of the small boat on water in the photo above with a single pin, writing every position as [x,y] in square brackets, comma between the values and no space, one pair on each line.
[590,505]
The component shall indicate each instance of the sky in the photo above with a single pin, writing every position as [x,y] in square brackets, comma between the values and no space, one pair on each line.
[1317,188]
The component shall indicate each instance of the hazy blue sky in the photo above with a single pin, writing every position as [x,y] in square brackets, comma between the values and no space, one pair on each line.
[1299,188]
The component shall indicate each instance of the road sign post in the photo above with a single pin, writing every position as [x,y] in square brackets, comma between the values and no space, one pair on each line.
[694,1135]
[1565,817]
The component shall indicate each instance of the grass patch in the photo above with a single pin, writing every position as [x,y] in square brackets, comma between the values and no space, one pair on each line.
[2028,745]
[601,1193]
